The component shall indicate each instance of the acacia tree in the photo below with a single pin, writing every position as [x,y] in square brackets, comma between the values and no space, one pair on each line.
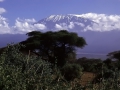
[54,46]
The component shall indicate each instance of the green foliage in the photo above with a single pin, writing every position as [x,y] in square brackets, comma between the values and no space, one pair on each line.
[114,55]
[53,46]
[90,65]
[71,57]
[20,72]
[110,64]
[25,72]
[71,71]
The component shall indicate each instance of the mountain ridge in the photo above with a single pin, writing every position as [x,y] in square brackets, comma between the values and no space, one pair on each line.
[69,22]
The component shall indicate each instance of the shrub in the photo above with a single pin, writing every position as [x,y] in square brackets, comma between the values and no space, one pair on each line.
[71,71]
[20,71]
[25,72]
[89,65]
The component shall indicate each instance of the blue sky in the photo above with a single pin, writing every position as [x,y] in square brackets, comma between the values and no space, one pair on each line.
[39,9]
[14,11]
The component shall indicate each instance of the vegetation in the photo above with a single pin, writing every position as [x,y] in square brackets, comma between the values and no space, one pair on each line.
[53,46]
[22,72]
[46,61]
[114,55]
[74,68]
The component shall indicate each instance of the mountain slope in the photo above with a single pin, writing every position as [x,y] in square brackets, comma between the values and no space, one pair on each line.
[68,22]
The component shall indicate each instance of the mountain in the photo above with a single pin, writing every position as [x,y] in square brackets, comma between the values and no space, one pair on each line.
[69,22]
[98,42]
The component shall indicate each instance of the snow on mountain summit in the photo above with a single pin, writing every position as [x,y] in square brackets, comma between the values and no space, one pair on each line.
[55,18]
[68,22]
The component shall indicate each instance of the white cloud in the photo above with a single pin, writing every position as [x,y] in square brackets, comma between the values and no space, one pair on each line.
[64,26]
[81,24]
[71,25]
[21,26]
[103,22]
[57,26]
[24,26]
[40,26]
[61,26]
[2,10]
[4,28]
[1,0]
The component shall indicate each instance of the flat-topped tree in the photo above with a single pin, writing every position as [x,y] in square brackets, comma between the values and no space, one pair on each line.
[55,46]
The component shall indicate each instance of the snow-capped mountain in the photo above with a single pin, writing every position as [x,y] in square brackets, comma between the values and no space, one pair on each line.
[68,22]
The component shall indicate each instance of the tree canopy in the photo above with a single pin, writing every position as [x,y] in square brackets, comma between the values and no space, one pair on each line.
[54,46]
[114,55]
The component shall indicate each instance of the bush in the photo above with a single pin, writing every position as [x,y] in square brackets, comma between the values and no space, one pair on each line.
[20,71]
[89,65]
[71,71]
[24,72]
